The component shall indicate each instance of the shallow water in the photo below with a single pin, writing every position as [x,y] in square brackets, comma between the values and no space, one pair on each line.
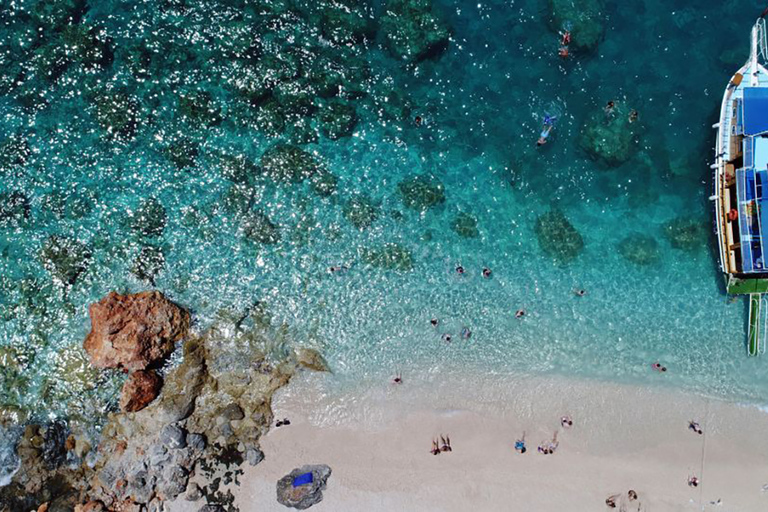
[483,101]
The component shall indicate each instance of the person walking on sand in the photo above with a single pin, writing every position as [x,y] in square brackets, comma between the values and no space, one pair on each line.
[446,444]
[566,422]
[398,379]
[693,481]
[693,425]
[435,447]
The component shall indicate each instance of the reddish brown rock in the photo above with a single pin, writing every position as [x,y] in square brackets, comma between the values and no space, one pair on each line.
[139,390]
[134,331]
[91,506]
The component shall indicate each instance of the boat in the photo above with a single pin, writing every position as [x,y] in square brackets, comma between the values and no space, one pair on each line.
[741,186]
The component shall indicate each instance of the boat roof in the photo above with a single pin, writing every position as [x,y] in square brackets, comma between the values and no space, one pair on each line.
[752,193]
[755,110]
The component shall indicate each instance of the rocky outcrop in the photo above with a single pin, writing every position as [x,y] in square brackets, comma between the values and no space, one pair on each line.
[311,359]
[303,496]
[141,388]
[134,331]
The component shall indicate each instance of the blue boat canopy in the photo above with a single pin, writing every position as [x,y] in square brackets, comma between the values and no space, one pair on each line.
[755,107]
[753,216]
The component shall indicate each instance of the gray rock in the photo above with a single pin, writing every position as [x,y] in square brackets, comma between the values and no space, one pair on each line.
[158,455]
[211,508]
[173,437]
[226,430]
[194,492]
[173,483]
[233,412]
[196,442]
[254,456]
[141,486]
[304,496]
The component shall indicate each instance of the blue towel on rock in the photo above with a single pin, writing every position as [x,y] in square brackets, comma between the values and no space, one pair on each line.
[306,478]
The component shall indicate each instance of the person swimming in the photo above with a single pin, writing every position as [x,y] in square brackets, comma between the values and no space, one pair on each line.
[486,273]
[549,123]
[633,115]
[446,338]
[459,269]
[338,269]
[466,333]
[398,379]
[563,52]
[658,367]
[609,107]
[520,313]
[434,322]
[580,292]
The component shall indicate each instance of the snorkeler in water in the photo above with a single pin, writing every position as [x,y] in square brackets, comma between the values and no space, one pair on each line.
[549,123]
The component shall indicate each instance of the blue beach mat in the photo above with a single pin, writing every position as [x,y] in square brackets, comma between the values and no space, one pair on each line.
[306,478]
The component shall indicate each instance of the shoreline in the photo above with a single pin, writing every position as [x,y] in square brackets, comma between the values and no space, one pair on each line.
[377,442]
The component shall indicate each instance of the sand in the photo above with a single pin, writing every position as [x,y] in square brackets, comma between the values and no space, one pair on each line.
[377,441]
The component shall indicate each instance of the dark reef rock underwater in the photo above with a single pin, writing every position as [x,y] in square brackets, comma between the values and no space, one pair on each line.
[302,497]
[557,237]
[412,30]
[583,18]
[611,139]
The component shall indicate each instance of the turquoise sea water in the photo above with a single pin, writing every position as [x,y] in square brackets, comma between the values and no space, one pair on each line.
[107,105]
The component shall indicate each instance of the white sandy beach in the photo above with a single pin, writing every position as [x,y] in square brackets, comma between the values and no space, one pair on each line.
[624,437]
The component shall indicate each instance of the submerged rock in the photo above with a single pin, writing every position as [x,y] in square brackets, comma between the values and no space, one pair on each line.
[311,359]
[686,233]
[150,219]
[14,209]
[360,211]
[134,331]
[640,249]
[199,108]
[389,256]
[148,263]
[557,236]
[117,114]
[182,152]
[66,259]
[288,163]
[421,192]
[412,30]
[303,496]
[610,139]
[337,120]
[237,168]
[465,225]
[583,18]
[258,228]
[141,388]
[324,183]
[345,21]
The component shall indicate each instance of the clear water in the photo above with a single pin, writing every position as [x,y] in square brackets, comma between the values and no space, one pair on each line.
[483,102]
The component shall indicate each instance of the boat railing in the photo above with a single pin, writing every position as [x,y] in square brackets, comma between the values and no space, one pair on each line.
[762,39]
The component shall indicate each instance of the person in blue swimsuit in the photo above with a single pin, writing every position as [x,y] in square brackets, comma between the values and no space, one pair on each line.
[520,445]
[549,123]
